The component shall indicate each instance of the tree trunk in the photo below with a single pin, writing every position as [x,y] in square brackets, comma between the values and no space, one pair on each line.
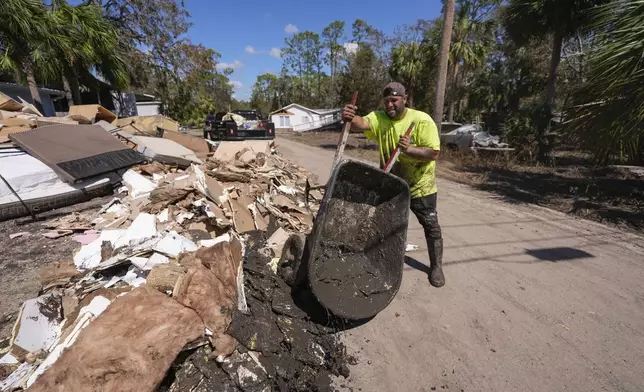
[551,87]
[410,94]
[75,86]
[68,91]
[543,147]
[441,77]
[33,87]
[98,94]
[452,95]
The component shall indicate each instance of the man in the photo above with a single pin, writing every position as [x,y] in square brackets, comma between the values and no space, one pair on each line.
[416,163]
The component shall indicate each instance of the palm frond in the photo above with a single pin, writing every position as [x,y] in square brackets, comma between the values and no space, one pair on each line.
[610,122]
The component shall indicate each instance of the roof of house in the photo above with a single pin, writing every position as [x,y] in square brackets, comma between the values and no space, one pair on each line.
[325,111]
[316,111]
[145,98]
[49,91]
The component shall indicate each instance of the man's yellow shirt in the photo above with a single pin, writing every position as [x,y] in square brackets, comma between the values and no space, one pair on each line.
[420,175]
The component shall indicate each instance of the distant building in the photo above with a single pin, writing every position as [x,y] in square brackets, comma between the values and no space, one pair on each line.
[48,96]
[147,105]
[54,103]
[298,118]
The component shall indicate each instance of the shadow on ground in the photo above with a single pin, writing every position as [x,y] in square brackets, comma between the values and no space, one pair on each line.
[417,265]
[552,255]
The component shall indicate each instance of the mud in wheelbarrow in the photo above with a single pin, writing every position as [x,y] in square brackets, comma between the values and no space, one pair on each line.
[357,246]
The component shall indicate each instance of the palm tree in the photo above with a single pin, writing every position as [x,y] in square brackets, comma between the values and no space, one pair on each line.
[94,47]
[25,40]
[528,19]
[610,120]
[408,60]
[443,58]
[62,42]
[472,37]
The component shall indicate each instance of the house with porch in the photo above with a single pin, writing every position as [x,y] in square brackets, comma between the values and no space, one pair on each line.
[299,118]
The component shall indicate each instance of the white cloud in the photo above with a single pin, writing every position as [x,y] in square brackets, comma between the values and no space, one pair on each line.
[268,15]
[235,65]
[350,47]
[236,84]
[275,52]
[291,29]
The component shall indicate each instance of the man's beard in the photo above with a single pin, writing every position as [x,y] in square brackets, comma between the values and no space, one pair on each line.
[393,113]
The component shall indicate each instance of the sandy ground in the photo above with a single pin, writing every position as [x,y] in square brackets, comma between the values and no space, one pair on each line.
[22,257]
[535,300]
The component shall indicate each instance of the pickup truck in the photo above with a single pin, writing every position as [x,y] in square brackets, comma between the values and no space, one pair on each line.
[229,126]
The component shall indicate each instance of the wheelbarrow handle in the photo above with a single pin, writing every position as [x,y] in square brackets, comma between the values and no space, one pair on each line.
[394,156]
[345,135]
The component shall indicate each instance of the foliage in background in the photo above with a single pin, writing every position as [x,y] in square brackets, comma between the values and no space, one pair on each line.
[522,66]
[27,38]
[528,19]
[92,47]
[609,117]
[193,87]
[133,45]
[472,40]
[164,62]
[408,62]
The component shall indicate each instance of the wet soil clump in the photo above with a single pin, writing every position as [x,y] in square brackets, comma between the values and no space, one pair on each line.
[352,280]
[280,346]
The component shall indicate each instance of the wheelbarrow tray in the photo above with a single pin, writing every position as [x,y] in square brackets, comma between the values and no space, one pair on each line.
[357,245]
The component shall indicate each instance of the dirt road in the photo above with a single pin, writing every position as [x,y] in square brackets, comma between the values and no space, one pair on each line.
[535,301]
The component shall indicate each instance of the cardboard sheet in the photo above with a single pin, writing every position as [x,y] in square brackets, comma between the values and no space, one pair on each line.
[6,131]
[89,114]
[147,125]
[45,121]
[76,152]
[4,114]
[18,122]
[196,144]
[165,151]
[9,104]
[226,150]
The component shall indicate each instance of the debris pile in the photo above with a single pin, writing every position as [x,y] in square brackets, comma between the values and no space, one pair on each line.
[16,117]
[47,163]
[280,347]
[241,121]
[484,139]
[175,287]
[471,136]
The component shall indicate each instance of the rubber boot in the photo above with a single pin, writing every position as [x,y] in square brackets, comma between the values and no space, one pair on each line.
[436,277]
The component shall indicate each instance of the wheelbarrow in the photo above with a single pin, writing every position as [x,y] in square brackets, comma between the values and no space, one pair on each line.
[353,259]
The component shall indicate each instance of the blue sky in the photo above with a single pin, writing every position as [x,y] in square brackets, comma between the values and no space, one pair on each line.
[246,34]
